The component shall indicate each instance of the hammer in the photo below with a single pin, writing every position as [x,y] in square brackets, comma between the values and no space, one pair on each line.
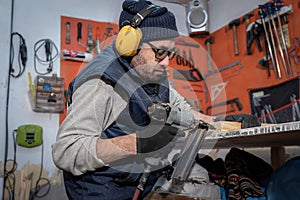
[209,41]
[233,24]
[246,18]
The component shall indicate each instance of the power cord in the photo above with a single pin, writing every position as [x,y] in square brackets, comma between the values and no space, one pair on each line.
[50,56]
[10,179]
[38,185]
[22,55]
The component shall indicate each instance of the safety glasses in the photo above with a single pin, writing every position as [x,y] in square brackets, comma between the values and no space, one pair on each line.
[161,53]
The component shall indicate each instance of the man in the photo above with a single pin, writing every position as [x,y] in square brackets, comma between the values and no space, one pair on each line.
[103,144]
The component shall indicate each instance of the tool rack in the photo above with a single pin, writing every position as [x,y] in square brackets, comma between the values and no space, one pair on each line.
[49,94]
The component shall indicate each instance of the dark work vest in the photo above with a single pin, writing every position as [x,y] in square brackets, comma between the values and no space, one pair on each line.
[133,89]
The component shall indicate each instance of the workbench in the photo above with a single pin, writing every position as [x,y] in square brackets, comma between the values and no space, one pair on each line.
[276,136]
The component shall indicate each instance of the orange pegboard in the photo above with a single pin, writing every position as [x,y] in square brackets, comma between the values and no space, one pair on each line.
[250,75]
[104,31]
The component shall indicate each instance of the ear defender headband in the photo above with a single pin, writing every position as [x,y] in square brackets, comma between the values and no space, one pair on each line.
[129,37]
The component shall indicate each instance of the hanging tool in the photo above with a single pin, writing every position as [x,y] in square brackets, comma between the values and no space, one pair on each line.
[231,102]
[262,15]
[270,12]
[278,5]
[254,31]
[224,68]
[293,50]
[193,74]
[79,34]
[180,41]
[208,42]
[191,62]
[233,25]
[68,36]
[273,45]
[246,19]
[79,29]
[265,64]
[90,43]
[108,33]
[97,49]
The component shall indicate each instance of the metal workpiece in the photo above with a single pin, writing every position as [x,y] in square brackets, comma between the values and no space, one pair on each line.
[187,157]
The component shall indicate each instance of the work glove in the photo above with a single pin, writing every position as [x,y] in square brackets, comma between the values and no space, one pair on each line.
[160,138]
[247,121]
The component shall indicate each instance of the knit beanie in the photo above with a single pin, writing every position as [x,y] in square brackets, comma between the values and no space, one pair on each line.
[158,25]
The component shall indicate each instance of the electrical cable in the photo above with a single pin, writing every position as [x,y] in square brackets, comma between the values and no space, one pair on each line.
[7,103]
[11,179]
[48,44]
[38,188]
[9,173]
[22,55]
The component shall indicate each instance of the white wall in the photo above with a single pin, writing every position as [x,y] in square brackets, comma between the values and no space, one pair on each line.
[40,19]
[221,12]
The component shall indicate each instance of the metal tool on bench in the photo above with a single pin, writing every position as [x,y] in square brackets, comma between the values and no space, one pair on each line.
[197,132]
[233,25]
[187,156]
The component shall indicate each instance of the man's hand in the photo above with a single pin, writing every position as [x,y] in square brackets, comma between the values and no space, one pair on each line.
[247,121]
[155,138]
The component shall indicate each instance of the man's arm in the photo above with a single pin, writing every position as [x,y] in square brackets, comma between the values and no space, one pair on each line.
[78,147]
[178,101]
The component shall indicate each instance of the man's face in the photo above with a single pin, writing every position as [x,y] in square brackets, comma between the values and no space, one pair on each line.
[153,59]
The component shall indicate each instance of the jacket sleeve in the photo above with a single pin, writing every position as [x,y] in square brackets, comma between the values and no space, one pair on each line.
[177,100]
[95,106]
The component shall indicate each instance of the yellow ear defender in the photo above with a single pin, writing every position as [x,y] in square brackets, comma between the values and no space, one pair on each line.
[129,36]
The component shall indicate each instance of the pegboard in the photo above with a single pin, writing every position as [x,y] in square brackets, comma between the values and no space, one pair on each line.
[104,31]
[249,74]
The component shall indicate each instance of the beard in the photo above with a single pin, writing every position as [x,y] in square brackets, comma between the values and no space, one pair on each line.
[149,72]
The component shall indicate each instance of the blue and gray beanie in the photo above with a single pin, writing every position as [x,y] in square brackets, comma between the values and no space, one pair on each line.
[158,25]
